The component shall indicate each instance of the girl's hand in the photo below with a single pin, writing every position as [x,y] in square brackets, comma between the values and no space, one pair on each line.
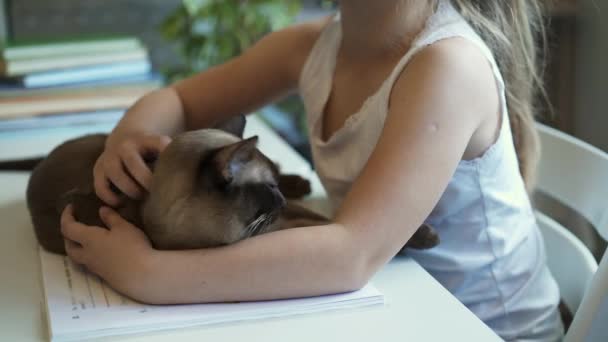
[122,164]
[120,254]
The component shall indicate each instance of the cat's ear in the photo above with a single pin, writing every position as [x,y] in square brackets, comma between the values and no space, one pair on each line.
[235,125]
[231,160]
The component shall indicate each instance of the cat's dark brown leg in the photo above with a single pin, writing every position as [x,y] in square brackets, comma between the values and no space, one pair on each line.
[425,237]
[87,204]
[86,210]
[46,222]
[565,314]
[294,186]
[234,125]
[294,216]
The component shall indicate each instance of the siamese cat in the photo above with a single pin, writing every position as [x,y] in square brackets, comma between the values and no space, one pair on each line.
[209,188]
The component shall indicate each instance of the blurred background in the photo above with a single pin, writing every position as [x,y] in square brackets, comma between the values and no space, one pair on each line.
[74,62]
[180,39]
[139,44]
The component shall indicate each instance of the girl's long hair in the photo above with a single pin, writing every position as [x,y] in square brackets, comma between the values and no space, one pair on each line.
[514,29]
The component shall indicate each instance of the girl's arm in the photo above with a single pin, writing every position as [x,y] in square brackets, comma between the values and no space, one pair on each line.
[267,71]
[442,98]
[263,74]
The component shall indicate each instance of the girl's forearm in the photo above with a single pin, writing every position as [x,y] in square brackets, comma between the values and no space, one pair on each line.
[159,112]
[285,264]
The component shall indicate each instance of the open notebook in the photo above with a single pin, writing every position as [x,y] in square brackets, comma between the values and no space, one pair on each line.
[81,306]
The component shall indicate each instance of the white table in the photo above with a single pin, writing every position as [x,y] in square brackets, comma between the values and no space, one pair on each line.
[418,308]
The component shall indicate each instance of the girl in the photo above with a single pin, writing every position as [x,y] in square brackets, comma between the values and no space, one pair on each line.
[410,120]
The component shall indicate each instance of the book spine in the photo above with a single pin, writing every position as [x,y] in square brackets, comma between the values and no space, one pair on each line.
[61,120]
[86,74]
[22,67]
[87,103]
[126,79]
[76,91]
[71,48]
[54,94]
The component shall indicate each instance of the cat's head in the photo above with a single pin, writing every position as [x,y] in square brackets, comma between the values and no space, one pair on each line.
[210,188]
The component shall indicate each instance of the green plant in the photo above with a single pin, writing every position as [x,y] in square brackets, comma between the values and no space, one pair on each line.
[210,32]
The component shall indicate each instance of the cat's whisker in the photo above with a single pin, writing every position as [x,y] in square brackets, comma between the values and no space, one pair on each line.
[260,224]
[263,224]
[253,228]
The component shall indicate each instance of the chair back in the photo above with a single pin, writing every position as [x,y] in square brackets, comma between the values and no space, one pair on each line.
[569,260]
[576,174]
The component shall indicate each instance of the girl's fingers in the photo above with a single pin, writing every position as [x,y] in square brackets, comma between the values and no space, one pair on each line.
[154,143]
[149,146]
[74,251]
[116,173]
[74,230]
[125,168]
[70,229]
[102,185]
[136,166]
[111,218]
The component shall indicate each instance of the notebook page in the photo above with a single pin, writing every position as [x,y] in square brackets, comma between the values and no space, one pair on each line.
[80,305]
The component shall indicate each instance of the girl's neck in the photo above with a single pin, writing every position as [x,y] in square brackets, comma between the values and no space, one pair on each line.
[373,29]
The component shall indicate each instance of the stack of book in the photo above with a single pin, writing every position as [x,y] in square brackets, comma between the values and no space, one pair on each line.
[72,82]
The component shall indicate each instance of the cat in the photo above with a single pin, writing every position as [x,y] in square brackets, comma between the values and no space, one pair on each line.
[209,188]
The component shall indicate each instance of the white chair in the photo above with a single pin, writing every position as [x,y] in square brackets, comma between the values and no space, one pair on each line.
[576,174]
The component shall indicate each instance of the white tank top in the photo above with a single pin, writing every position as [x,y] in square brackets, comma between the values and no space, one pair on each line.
[491,255]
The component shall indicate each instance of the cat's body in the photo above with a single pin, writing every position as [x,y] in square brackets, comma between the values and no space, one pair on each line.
[209,188]
[232,183]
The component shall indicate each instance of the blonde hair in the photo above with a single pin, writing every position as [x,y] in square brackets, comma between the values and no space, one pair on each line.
[511,28]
